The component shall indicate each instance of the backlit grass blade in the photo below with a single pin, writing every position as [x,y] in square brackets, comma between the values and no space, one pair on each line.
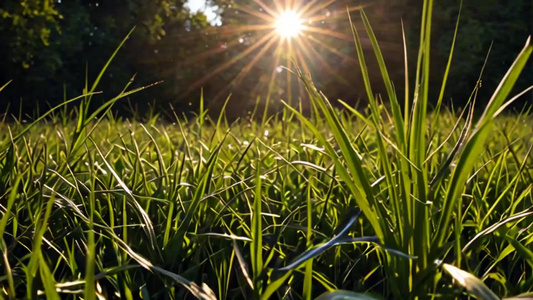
[308,273]
[522,250]
[90,260]
[78,138]
[401,210]
[148,226]
[473,285]
[12,196]
[362,191]
[104,68]
[449,63]
[48,113]
[507,83]
[36,257]
[444,168]
[275,285]
[256,254]
[524,296]
[242,265]
[201,191]
[48,281]
[5,85]
[83,109]
[396,111]
[417,142]
[474,145]
[3,247]
[8,271]
[515,218]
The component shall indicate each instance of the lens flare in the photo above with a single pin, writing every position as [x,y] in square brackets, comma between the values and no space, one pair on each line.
[284,33]
[289,24]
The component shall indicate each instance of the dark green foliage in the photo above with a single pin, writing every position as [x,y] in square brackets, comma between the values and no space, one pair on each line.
[48,46]
[502,24]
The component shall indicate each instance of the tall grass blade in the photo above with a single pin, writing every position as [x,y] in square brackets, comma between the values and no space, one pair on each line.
[474,145]
[352,173]
[3,247]
[5,85]
[473,285]
[147,223]
[201,190]
[256,254]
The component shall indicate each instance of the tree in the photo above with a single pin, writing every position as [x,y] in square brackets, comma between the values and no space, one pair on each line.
[26,26]
[51,45]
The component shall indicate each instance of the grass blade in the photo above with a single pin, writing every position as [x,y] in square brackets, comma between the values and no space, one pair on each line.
[473,285]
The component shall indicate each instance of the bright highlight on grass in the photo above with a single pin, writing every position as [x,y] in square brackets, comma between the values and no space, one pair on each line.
[289,24]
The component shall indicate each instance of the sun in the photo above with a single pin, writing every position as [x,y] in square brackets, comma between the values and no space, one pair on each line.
[289,24]
[284,34]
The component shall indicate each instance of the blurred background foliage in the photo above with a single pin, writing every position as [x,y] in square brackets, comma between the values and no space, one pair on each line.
[50,47]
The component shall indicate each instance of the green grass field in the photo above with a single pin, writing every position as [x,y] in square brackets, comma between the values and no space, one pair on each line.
[134,200]
[391,203]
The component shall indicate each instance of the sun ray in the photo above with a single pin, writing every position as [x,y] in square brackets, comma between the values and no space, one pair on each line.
[203,55]
[250,64]
[313,9]
[269,10]
[300,41]
[245,70]
[288,5]
[319,18]
[331,49]
[225,30]
[252,12]
[228,30]
[307,6]
[229,63]
[277,58]
[306,71]
[298,6]
[211,52]
[307,47]
[329,32]
[290,57]
[303,63]
[289,24]
[278,6]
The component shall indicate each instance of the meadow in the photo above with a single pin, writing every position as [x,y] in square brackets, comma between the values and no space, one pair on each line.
[388,201]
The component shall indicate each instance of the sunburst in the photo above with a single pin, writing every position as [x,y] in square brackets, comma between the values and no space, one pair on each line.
[289,24]
[284,32]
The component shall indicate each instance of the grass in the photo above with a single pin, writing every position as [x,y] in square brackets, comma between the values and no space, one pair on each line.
[399,203]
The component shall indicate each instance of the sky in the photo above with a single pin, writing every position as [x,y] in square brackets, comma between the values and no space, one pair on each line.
[209,11]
